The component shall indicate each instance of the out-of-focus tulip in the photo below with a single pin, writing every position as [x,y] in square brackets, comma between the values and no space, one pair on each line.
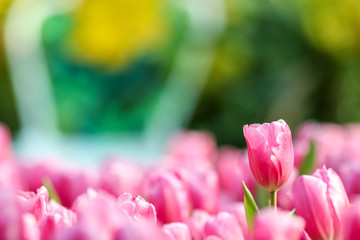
[197,223]
[97,212]
[351,222]
[330,144]
[35,203]
[320,199]
[118,177]
[350,174]
[271,154]
[203,186]
[191,148]
[33,174]
[142,230]
[10,217]
[30,227]
[5,144]
[136,208]
[166,190]
[225,226]
[238,210]
[56,220]
[270,224]
[233,168]
[10,175]
[69,184]
[176,231]
[284,200]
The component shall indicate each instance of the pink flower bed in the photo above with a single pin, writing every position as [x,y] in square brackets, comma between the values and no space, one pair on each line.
[196,193]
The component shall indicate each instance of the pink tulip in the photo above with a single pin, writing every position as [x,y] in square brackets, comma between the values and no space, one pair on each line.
[270,224]
[238,210]
[197,223]
[33,174]
[225,226]
[35,203]
[320,199]
[69,184]
[10,215]
[97,212]
[136,208]
[56,220]
[271,154]
[30,227]
[190,147]
[118,177]
[176,231]
[5,144]
[166,190]
[233,168]
[351,222]
[284,200]
[203,186]
[142,230]
[331,145]
[10,175]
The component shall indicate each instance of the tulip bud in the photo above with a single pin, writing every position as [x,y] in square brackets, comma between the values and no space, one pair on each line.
[277,225]
[320,199]
[271,154]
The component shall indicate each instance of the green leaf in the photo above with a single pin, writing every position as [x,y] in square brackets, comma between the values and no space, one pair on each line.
[250,207]
[52,192]
[308,164]
[292,212]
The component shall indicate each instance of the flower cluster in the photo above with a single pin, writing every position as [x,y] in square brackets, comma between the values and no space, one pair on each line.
[195,192]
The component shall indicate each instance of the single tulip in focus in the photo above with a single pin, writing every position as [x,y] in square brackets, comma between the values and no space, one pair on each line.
[271,154]
[320,199]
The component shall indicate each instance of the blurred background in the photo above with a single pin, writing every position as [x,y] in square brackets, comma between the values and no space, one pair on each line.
[91,77]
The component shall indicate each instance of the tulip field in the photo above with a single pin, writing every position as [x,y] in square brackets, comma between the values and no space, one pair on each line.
[285,186]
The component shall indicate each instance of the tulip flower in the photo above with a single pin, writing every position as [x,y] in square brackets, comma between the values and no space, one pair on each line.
[233,167]
[320,199]
[277,225]
[238,210]
[118,176]
[271,154]
[34,203]
[197,223]
[136,208]
[351,222]
[10,217]
[203,187]
[225,226]
[166,190]
[191,148]
[176,231]
[5,144]
[56,220]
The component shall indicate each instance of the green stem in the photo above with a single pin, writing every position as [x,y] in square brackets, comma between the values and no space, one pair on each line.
[272,197]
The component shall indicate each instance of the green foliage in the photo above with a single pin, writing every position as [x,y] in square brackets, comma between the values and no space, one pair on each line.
[52,192]
[308,164]
[251,208]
